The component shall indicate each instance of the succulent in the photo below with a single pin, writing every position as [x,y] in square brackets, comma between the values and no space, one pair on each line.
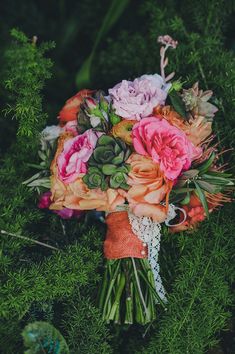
[109,153]
[196,102]
[107,167]
[119,177]
[94,178]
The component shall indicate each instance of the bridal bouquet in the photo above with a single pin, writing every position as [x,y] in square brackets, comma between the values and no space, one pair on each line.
[144,154]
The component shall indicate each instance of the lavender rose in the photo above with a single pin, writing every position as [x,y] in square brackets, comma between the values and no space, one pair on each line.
[137,99]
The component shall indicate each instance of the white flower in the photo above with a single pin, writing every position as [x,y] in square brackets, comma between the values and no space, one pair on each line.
[95,121]
[49,135]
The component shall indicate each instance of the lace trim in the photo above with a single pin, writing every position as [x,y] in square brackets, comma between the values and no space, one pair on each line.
[149,232]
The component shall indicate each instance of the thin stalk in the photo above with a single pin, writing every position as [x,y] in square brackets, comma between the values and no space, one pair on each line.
[3,232]
[112,282]
[103,287]
[150,281]
[139,288]
[117,314]
[139,316]
[129,306]
[116,303]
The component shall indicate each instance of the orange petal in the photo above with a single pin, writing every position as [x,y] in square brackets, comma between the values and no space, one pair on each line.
[156,212]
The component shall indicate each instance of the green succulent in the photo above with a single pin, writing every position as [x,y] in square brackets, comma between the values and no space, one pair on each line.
[94,178]
[119,177]
[107,167]
[109,153]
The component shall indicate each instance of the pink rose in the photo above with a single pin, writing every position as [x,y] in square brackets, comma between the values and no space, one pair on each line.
[65,213]
[72,161]
[71,127]
[137,99]
[166,144]
[45,200]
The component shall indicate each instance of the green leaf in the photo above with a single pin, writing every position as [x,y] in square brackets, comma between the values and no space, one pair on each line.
[217,180]
[103,154]
[178,104]
[190,173]
[118,159]
[219,174]
[114,184]
[208,187]
[201,195]
[41,337]
[125,186]
[186,200]
[182,190]
[109,169]
[114,118]
[83,77]
[206,165]
[106,140]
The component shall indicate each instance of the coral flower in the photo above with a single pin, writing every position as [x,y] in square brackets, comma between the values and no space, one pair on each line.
[195,214]
[72,106]
[166,144]
[149,187]
[195,211]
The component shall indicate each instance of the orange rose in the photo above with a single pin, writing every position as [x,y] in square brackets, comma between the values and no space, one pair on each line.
[123,130]
[197,128]
[149,187]
[71,108]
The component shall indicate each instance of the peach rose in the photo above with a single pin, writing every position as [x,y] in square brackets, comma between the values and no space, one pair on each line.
[82,198]
[78,196]
[149,187]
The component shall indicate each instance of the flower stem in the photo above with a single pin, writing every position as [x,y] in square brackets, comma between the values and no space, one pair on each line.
[112,282]
[129,306]
[139,289]
[115,306]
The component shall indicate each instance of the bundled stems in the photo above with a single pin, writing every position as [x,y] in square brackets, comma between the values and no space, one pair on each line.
[127,293]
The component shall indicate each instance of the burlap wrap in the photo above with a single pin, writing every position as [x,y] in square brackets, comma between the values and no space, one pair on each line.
[120,240]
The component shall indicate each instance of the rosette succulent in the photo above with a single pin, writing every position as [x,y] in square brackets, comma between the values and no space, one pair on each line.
[196,102]
[107,167]
[109,153]
[94,178]
[119,177]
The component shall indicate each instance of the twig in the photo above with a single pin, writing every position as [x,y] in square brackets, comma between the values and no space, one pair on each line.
[3,232]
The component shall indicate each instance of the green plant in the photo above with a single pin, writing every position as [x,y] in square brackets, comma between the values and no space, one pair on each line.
[42,337]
